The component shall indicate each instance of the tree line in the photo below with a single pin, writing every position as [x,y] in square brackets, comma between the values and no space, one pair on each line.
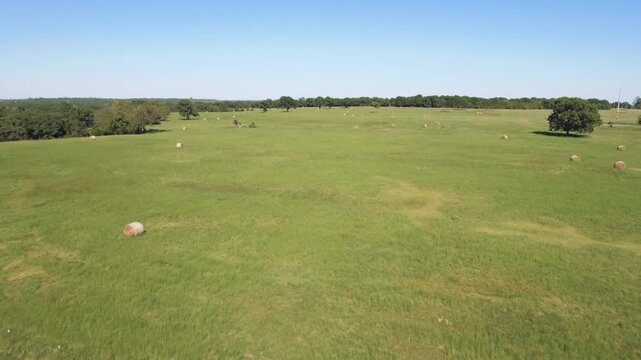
[285,102]
[32,119]
[433,101]
[50,120]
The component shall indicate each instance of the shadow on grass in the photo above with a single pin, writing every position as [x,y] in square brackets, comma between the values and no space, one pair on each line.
[559,134]
[155,131]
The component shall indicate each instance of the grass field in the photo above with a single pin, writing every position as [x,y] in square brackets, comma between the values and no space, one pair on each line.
[309,238]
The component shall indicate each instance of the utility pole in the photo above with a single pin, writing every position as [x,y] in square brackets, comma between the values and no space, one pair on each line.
[619,101]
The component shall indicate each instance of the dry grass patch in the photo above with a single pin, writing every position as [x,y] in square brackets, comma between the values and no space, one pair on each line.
[566,236]
[17,270]
[558,235]
[43,249]
[162,223]
[418,204]
[25,273]
[499,290]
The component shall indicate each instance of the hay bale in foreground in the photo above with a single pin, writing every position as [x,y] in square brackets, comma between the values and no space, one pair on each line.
[575,158]
[621,148]
[620,165]
[504,137]
[179,145]
[133,229]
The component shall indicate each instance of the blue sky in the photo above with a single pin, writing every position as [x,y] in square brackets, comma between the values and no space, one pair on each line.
[265,49]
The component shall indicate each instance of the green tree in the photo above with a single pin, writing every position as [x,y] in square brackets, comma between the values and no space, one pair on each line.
[186,109]
[286,102]
[637,102]
[124,117]
[375,104]
[573,114]
[264,105]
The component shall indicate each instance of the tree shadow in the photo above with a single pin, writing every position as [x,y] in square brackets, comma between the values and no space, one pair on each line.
[559,134]
[155,131]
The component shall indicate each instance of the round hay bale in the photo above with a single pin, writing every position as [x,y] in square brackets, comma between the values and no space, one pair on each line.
[133,229]
[504,137]
[218,118]
[424,125]
[355,126]
[184,128]
[620,165]
[621,148]
[575,158]
[179,145]
[93,137]
[393,125]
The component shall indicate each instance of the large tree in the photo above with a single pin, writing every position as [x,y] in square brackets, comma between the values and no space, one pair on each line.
[122,117]
[186,109]
[286,102]
[573,114]
[637,102]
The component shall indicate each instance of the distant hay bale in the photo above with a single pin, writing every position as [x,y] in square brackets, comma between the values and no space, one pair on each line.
[179,145]
[184,128]
[575,158]
[355,126]
[424,125]
[504,137]
[344,114]
[620,165]
[438,123]
[393,125]
[218,118]
[621,148]
[93,137]
[133,229]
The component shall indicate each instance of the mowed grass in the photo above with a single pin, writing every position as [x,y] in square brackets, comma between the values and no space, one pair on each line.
[308,238]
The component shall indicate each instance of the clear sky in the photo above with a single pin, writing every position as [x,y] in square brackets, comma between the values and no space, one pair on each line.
[265,49]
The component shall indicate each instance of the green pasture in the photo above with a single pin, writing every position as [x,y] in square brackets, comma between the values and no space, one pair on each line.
[307,237]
